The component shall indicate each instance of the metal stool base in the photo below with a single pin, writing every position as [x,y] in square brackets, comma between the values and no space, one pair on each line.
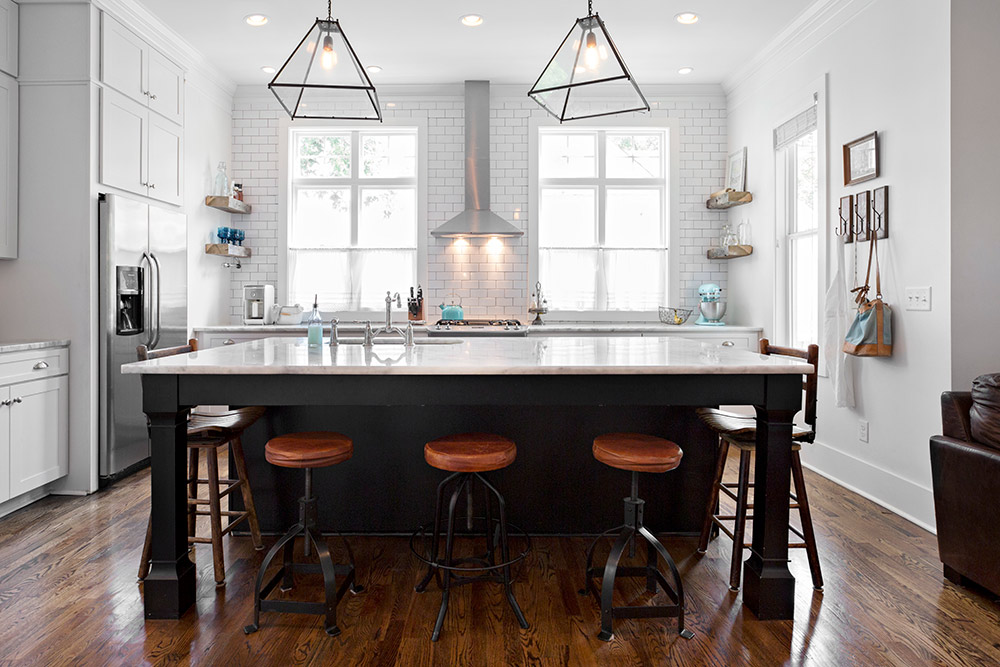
[628,534]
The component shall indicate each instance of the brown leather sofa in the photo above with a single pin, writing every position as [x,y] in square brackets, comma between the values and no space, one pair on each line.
[965,464]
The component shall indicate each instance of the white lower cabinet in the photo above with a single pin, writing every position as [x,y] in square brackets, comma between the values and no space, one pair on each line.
[4,443]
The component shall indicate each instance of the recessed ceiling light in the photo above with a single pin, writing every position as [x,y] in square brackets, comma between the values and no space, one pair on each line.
[267,69]
[687,18]
[472,20]
[256,20]
[685,70]
[373,69]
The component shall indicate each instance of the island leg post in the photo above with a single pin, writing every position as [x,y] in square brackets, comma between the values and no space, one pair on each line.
[768,585]
[169,589]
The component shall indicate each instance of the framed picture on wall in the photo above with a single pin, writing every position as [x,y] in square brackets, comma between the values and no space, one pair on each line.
[861,159]
[736,171]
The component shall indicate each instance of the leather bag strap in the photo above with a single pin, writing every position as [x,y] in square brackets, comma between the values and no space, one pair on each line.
[861,293]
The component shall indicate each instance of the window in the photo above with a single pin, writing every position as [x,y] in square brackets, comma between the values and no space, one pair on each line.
[353,215]
[603,217]
[798,190]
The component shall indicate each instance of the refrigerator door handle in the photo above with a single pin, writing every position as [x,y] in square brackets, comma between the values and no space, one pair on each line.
[147,302]
[156,339]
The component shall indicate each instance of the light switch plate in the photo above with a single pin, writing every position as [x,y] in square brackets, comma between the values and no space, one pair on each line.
[918,298]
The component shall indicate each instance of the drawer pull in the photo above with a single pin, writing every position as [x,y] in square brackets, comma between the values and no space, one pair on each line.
[229,341]
[40,366]
[728,343]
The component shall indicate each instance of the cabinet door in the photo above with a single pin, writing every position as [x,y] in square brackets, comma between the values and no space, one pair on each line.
[4,444]
[166,146]
[124,129]
[39,433]
[8,37]
[123,59]
[8,167]
[166,87]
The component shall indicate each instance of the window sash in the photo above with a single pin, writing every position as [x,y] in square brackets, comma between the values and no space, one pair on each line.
[793,239]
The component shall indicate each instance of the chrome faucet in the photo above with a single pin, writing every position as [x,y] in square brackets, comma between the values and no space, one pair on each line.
[388,329]
[334,340]
[369,335]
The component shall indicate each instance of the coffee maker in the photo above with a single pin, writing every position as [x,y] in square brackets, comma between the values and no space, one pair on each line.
[257,303]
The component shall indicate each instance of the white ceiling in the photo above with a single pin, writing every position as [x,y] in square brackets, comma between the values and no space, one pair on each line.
[424,42]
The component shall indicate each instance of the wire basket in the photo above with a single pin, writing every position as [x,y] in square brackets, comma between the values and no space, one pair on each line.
[677,316]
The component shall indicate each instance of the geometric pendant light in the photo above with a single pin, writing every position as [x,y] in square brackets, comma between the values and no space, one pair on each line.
[587,61]
[325,68]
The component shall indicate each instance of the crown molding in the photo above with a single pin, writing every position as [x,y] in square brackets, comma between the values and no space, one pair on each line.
[820,20]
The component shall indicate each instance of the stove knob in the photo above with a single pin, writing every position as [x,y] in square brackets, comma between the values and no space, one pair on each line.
[506,326]
[437,327]
[447,327]
[517,327]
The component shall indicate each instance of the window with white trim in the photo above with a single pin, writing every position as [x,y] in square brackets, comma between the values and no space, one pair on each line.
[603,217]
[796,147]
[353,215]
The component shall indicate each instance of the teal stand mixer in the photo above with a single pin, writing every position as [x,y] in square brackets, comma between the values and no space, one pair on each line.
[712,307]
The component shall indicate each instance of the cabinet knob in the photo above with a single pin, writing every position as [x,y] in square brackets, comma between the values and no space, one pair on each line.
[728,343]
[151,96]
[4,404]
[152,186]
[229,341]
[16,400]
[40,366]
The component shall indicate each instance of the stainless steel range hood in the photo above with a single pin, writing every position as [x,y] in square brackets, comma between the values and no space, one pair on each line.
[477,220]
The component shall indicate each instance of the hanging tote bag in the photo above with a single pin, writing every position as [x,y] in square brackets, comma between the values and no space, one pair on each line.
[870,335]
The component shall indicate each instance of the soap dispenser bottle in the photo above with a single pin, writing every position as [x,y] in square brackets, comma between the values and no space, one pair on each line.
[315,325]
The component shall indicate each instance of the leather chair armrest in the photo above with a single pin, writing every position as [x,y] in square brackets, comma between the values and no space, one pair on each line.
[955,406]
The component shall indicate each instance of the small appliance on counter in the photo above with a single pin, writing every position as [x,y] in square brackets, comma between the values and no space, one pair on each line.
[712,307]
[452,311]
[257,302]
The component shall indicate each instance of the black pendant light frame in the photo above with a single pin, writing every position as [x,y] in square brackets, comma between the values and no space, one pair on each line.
[589,22]
[327,26]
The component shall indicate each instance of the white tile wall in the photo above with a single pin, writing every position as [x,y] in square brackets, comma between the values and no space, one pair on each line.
[491,284]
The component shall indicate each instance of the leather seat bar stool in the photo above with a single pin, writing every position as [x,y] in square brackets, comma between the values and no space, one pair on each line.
[740,431]
[306,451]
[466,456]
[636,453]
[208,434]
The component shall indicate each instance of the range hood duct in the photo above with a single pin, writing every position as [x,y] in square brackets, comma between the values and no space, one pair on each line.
[477,220]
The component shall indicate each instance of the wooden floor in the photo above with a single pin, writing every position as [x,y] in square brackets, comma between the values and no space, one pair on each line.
[68,595]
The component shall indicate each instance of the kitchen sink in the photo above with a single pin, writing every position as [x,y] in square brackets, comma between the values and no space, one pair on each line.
[399,341]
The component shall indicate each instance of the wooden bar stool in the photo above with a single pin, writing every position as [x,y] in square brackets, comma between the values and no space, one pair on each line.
[740,431]
[306,451]
[466,456]
[209,434]
[637,453]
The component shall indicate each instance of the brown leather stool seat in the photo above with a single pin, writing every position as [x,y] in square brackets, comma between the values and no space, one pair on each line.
[637,452]
[316,449]
[470,452]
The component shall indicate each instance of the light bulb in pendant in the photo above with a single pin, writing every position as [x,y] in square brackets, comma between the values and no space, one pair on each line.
[329,58]
[591,57]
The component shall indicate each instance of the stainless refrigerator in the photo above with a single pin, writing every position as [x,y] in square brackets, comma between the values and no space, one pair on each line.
[143,301]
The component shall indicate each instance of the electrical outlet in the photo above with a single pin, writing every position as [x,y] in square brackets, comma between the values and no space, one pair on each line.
[918,298]
[863,430]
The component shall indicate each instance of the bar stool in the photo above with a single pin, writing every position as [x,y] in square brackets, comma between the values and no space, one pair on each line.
[466,456]
[306,451]
[636,453]
[209,434]
[740,431]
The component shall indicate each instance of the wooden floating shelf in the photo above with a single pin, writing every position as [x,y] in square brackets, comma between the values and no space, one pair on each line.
[728,198]
[228,204]
[732,252]
[227,250]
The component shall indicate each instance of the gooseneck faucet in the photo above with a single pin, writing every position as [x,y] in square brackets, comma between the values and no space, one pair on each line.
[388,329]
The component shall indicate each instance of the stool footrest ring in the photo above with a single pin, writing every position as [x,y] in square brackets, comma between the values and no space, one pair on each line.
[460,564]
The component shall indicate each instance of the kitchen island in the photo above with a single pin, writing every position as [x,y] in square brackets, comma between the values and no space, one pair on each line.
[514,379]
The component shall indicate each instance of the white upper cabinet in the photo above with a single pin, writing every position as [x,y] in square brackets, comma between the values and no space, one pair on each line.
[134,68]
[124,130]
[165,147]
[8,37]
[8,167]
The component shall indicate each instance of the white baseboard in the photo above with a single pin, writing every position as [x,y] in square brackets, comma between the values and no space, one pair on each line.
[878,485]
[23,500]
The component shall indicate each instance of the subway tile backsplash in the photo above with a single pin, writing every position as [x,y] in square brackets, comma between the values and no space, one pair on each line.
[490,284]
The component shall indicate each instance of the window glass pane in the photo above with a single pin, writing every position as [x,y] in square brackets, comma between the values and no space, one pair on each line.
[378,271]
[635,279]
[321,219]
[389,155]
[323,155]
[568,217]
[804,279]
[322,272]
[806,184]
[569,278]
[567,155]
[634,156]
[388,218]
[633,219]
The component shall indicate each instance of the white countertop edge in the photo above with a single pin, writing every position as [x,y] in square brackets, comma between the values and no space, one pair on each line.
[535,330]
[133,369]
[24,346]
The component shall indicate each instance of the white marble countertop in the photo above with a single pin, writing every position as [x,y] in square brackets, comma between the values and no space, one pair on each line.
[24,345]
[563,355]
[545,329]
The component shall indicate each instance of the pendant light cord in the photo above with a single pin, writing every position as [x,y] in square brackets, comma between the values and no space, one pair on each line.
[329,9]
[590,7]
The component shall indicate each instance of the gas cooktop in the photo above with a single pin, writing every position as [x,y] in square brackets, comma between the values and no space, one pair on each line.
[477,328]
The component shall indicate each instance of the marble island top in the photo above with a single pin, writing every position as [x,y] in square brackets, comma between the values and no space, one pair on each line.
[476,356]
[535,330]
